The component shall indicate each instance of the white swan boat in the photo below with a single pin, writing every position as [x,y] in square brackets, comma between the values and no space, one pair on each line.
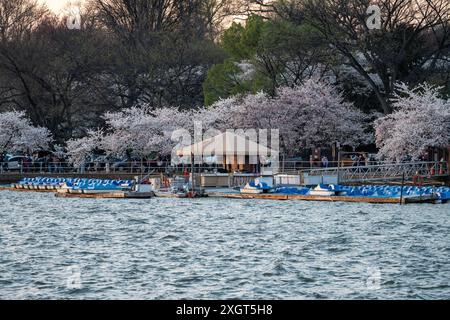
[248,189]
[322,191]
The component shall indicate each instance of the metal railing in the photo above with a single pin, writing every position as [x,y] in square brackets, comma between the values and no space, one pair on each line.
[294,167]
[385,171]
[134,167]
[66,168]
[347,173]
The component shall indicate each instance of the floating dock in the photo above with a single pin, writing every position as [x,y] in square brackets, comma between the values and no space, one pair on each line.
[284,197]
[108,195]
[166,194]
[170,195]
[6,188]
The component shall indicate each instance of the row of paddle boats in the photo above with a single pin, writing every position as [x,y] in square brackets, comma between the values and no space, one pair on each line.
[77,185]
[369,191]
[68,186]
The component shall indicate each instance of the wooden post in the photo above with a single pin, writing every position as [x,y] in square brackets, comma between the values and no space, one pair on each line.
[448,161]
[401,192]
[339,168]
[193,172]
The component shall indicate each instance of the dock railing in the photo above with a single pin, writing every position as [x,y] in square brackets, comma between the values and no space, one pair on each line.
[382,172]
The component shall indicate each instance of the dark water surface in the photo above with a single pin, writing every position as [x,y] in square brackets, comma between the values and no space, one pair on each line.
[220,249]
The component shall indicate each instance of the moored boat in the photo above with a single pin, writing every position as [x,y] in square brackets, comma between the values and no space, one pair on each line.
[256,187]
[323,191]
[251,189]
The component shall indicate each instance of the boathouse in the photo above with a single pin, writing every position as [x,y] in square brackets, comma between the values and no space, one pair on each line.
[232,152]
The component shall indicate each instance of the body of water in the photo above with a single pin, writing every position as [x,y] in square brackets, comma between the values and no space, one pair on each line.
[220,249]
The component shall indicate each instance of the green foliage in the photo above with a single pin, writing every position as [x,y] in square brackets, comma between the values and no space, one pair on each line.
[223,81]
[240,44]
[243,42]
[280,51]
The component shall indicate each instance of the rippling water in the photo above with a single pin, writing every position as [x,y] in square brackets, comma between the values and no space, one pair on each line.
[220,249]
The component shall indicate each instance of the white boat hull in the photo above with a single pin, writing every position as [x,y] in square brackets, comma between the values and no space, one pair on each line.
[75,191]
[171,195]
[323,193]
[251,191]
[99,191]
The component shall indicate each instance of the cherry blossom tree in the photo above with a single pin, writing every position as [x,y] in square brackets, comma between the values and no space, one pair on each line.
[421,119]
[78,150]
[308,115]
[143,131]
[17,134]
[137,131]
[317,115]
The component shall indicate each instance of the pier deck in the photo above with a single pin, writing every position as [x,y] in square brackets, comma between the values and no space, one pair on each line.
[284,197]
[7,188]
[109,195]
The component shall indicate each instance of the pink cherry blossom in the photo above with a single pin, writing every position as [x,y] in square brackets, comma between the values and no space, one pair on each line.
[17,134]
[421,119]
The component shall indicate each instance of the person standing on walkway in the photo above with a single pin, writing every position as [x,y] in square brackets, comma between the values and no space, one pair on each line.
[442,165]
[325,162]
[186,176]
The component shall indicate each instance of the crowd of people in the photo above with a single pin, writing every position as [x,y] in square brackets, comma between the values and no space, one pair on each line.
[352,160]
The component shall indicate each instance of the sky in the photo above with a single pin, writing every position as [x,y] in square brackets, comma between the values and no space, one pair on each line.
[58,5]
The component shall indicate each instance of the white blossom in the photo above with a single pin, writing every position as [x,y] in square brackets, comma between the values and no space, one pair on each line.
[78,150]
[142,131]
[421,119]
[17,134]
[248,70]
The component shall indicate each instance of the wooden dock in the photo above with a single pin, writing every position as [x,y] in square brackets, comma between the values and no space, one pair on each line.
[109,195]
[283,197]
[5,188]
[159,194]
[80,194]
[170,195]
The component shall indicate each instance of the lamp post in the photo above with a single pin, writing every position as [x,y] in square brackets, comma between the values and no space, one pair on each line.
[339,163]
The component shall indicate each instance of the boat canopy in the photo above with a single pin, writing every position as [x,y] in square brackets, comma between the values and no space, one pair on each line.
[227,144]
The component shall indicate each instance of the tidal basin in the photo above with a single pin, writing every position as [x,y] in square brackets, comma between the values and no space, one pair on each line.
[220,249]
